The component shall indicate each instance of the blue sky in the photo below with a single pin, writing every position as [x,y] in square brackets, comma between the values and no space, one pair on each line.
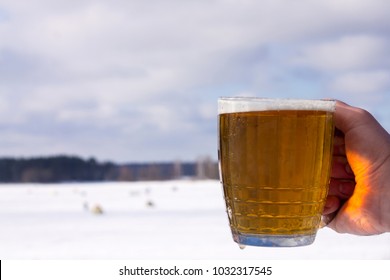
[139,80]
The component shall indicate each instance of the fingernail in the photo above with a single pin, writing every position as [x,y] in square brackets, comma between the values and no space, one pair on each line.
[348,169]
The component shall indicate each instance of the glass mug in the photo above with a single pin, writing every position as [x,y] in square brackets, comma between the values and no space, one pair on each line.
[275,161]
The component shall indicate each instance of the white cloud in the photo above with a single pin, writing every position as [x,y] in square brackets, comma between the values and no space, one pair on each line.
[365,82]
[346,53]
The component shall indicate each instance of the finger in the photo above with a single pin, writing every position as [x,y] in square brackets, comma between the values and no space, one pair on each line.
[332,204]
[341,168]
[338,143]
[341,188]
[345,116]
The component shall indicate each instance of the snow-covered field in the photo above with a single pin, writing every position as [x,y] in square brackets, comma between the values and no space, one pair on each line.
[144,220]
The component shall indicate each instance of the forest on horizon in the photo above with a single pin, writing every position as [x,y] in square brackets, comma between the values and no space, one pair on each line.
[61,168]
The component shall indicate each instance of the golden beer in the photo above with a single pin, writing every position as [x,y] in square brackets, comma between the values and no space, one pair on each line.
[275,168]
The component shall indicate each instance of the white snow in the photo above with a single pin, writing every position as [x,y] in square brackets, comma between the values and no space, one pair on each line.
[144,220]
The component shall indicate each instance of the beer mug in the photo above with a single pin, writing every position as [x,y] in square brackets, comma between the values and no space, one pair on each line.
[275,161]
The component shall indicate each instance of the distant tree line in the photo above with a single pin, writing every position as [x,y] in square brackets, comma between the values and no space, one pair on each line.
[76,169]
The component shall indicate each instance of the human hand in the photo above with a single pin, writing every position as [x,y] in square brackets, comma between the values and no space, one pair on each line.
[359,192]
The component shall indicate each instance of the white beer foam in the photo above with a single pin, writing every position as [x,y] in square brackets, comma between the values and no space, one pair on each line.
[250,104]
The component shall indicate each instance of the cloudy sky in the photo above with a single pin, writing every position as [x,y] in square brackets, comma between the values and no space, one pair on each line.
[135,81]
